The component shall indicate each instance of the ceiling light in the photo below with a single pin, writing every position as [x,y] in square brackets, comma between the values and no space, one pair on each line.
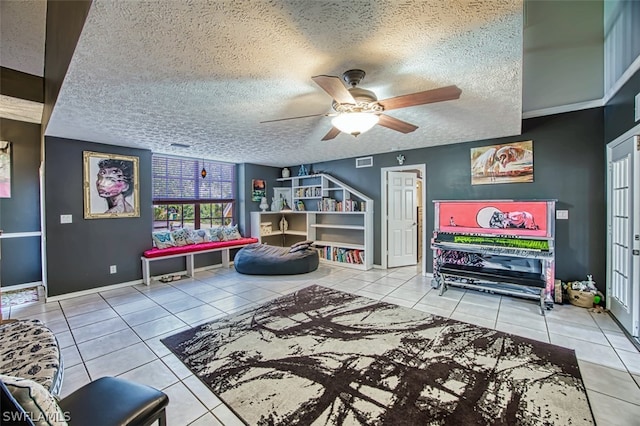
[355,123]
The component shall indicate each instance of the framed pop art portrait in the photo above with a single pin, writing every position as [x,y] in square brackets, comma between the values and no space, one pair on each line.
[110,185]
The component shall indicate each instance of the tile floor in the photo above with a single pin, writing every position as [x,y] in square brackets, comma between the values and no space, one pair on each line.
[118,332]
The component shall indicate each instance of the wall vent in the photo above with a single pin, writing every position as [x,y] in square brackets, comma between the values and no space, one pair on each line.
[364,162]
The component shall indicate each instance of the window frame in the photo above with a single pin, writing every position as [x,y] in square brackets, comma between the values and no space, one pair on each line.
[196,202]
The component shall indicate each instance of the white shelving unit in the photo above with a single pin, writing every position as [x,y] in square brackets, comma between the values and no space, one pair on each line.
[336,217]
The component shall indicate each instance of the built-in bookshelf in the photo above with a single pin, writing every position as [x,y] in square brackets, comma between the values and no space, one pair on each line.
[336,217]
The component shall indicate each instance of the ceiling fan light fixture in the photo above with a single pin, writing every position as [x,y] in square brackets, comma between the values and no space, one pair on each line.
[355,123]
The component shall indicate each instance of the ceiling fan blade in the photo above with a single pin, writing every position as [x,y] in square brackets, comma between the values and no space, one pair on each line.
[334,87]
[294,118]
[420,98]
[332,134]
[395,124]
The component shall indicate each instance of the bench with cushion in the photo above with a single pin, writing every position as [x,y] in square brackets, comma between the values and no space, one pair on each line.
[188,251]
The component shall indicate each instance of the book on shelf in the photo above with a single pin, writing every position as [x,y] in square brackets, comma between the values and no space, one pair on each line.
[341,255]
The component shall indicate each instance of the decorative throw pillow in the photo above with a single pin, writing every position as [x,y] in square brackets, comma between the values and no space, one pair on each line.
[36,401]
[231,233]
[300,247]
[181,237]
[163,239]
[302,243]
[199,236]
[215,234]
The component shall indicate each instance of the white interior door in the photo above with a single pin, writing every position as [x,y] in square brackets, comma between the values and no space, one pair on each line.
[624,233]
[402,229]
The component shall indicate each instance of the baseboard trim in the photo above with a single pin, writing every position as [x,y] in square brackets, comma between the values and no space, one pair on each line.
[120,285]
[91,291]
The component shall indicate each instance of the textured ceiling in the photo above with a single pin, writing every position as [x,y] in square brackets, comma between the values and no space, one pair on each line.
[22,31]
[148,74]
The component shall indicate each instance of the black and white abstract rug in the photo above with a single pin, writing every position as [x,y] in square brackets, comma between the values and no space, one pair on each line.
[325,357]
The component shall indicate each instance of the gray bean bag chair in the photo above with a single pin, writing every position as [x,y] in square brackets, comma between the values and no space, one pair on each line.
[261,259]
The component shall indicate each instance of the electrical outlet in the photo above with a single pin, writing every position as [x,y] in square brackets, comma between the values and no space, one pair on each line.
[66,218]
[562,214]
[113,269]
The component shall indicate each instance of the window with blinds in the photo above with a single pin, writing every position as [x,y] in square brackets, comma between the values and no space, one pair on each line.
[182,197]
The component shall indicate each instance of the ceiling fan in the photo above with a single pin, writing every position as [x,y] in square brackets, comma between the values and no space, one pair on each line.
[358,110]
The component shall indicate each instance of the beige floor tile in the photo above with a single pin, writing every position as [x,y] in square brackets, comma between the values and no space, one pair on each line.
[226,416]
[631,360]
[409,294]
[392,281]
[98,329]
[145,315]
[434,310]
[199,313]
[488,312]
[523,318]
[620,341]
[183,407]
[138,305]
[74,378]
[86,308]
[71,356]
[178,368]
[157,346]
[202,392]
[529,333]
[610,411]
[398,301]
[65,339]
[206,420]
[157,327]
[106,344]
[120,361]
[432,299]
[577,331]
[590,352]
[471,319]
[125,299]
[229,303]
[483,299]
[155,374]
[614,383]
[91,317]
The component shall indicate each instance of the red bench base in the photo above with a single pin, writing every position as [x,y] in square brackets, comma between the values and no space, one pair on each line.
[188,252]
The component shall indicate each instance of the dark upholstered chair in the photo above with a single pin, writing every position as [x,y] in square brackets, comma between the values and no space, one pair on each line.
[108,401]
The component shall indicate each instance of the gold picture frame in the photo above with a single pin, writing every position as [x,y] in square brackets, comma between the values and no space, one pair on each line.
[111,185]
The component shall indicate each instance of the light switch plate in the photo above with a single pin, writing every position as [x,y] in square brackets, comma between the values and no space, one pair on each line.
[637,107]
[562,214]
[66,218]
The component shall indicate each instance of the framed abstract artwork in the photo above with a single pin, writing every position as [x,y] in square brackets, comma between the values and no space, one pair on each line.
[258,189]
[5,169]
[111,185]
[506,163]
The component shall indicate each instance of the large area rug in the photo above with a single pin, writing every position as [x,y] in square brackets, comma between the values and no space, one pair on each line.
[323,357]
